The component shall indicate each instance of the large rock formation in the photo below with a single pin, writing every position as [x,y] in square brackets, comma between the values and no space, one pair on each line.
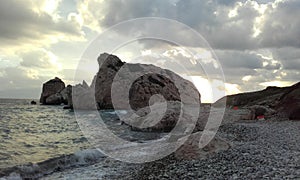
[153,80]
[51,90]
[290,103]
[109,65]
[119,85]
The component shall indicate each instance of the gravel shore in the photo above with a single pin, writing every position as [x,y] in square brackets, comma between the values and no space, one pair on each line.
[260,150]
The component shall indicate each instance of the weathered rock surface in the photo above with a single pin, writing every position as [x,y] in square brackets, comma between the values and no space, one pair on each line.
[51,88]
[67,96]
[150,84]
[54,99]
[65,93]
[109,65]
[191,149]
[155,119]
[151,80]
[258,110]
[83,97]
[290,103]
[143,88]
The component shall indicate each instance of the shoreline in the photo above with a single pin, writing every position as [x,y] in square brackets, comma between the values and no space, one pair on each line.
[260,149]
[256,153]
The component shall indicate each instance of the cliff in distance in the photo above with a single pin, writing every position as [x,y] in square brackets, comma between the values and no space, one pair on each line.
[284,100]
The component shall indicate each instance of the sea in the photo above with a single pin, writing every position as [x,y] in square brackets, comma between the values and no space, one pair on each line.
[32,134]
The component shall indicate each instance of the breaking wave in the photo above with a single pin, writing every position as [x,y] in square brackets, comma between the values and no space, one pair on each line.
[37,170]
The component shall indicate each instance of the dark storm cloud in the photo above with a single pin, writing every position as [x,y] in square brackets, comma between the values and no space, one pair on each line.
[279,24]
[232,37]
[209,18]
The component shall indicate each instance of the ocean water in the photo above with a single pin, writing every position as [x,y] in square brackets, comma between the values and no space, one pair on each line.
[34,133]
[37,133]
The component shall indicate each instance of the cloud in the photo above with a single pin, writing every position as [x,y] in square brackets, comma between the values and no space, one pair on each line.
[28,32]
[240,59]
[237,30]
[24,24]
[289,57]
[281,25]
[40,59]
[24,74]
[233,25]
[209,18]
[18,78]
[256,41]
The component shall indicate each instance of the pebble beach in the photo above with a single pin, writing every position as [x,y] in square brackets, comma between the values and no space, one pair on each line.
[260,150]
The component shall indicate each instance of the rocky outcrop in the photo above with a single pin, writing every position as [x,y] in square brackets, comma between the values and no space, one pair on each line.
[267,97]
[258,111]
[290,103]
[52,89]
[65,93]
[109,66]
[161,117]
[146,89]
[67,96]
[83,97]
[33,103]
[191,149]
[55,93]
[148,80]
[142,82]
[54,99]
[282,101]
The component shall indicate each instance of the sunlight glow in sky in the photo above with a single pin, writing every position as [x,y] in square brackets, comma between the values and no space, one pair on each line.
[256,41]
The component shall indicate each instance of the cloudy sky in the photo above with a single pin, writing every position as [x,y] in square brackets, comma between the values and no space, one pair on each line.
[257,42]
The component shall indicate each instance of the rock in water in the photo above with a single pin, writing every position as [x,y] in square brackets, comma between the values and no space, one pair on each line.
[83,97]
[67,93]
[51,88]
[139,87]
[55,99]
[33,103]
